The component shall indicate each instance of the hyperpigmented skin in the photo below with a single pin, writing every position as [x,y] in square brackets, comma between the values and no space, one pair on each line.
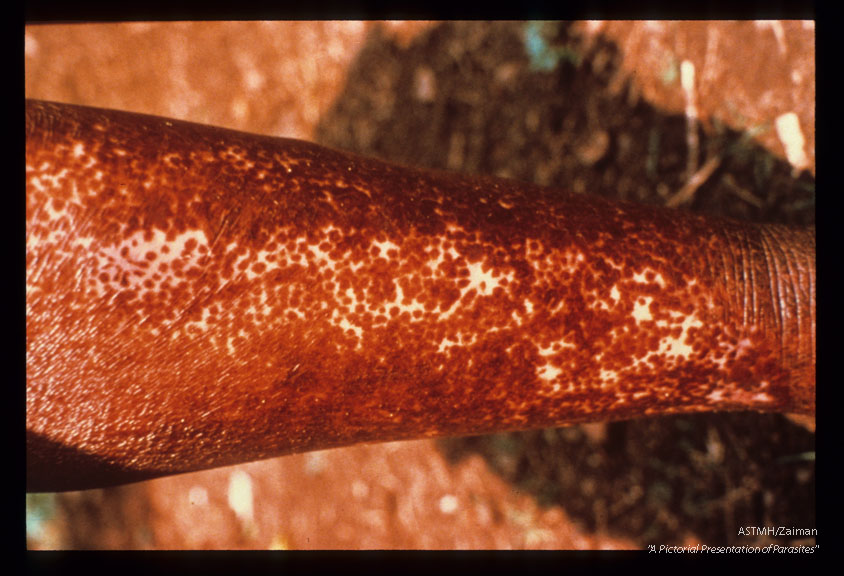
[198,297]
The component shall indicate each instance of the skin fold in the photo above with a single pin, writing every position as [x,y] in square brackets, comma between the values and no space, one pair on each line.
[199,297]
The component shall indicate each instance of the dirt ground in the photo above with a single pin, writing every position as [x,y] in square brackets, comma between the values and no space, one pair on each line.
[722,113]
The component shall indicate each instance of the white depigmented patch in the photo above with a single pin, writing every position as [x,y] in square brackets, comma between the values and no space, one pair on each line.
[483,282]
[677,346]
[46,181]
[83,242]
[554,347]
[615,294]
[201,324]
[641,309]
[738,396]
[384,248]
[404,305]
[171,158]
[352,295]
[548,372]
[346,304]
[603,304]
[517,318]
[111,259]
[641,278]
[264,257]
[435,263]
[608,376]
[549,264]
[138,247]
[297,312]
[322,256]
[345,324]
[447,343]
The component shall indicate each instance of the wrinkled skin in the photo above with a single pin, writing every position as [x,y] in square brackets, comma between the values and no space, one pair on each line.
[198,297]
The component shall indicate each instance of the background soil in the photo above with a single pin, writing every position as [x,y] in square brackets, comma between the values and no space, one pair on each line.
[597,108]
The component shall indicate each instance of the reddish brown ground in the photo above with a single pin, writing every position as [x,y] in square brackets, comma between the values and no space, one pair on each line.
[607,117]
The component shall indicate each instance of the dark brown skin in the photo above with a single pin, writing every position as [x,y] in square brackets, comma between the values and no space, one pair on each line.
[198,297]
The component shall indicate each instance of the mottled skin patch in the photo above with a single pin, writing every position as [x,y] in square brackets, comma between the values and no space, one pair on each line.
[198,297]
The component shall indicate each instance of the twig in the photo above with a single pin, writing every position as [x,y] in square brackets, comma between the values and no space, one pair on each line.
[687,192]
[687,80]
[742,193]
